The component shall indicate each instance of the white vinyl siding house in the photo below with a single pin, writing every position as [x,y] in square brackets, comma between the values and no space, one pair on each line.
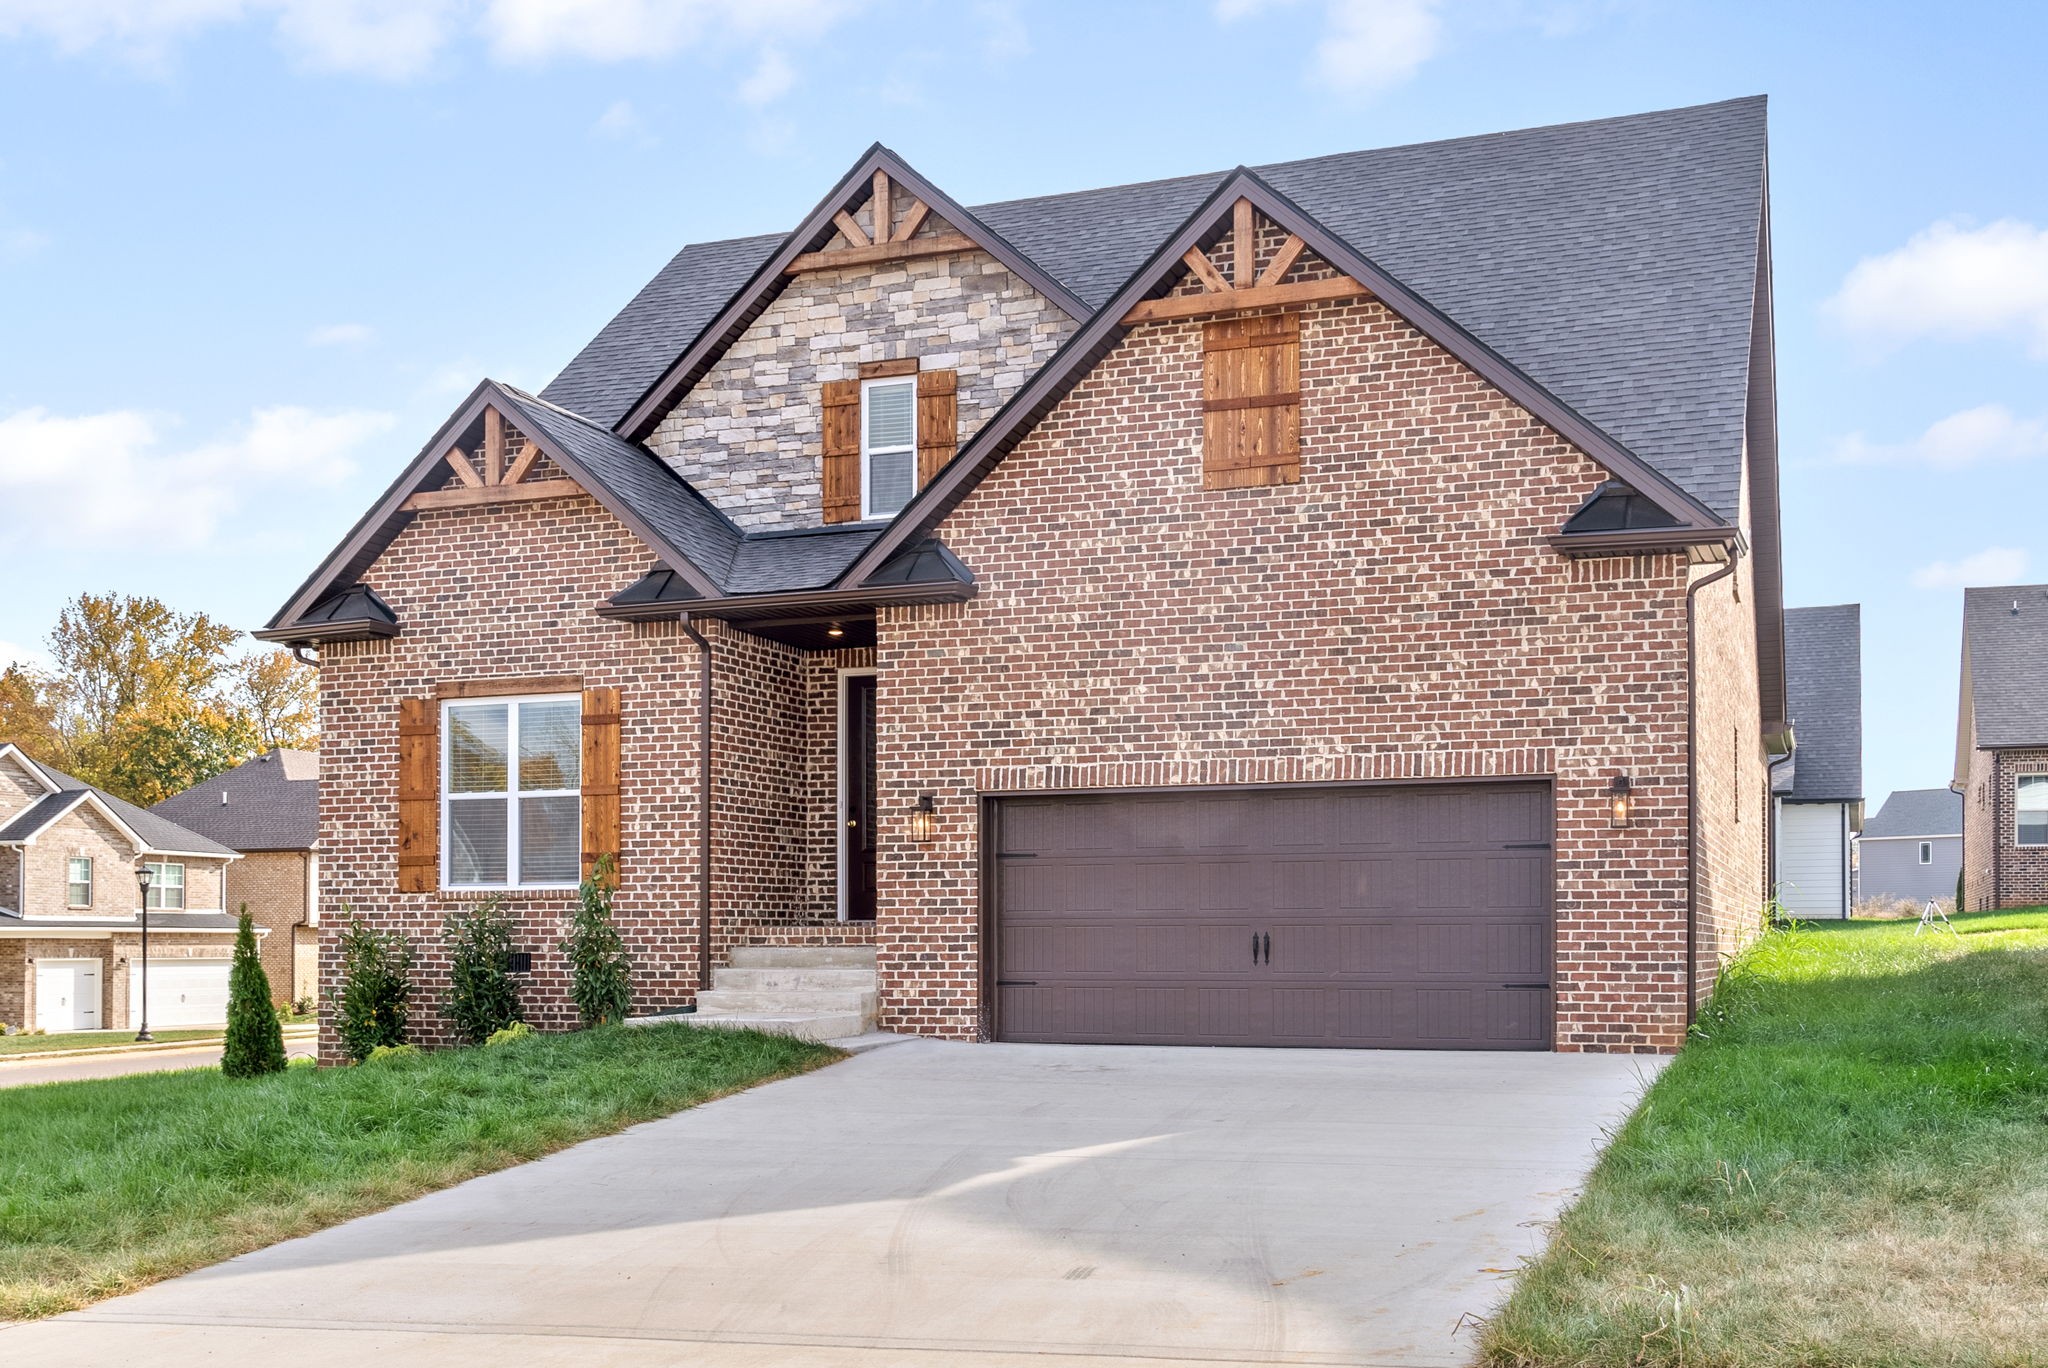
[1813,874]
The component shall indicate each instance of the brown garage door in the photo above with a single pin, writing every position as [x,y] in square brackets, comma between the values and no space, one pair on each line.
[1412,917]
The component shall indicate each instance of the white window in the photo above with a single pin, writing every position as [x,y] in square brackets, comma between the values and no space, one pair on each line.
[511,793]
[1927,852]
[2031,824]
[166,886]
[888,446]
[78,881]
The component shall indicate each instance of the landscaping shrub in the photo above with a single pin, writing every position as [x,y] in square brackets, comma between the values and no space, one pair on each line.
[376,989]
[518,1030]
[384,1052]
[482,998]
[255,1042]
[601,974]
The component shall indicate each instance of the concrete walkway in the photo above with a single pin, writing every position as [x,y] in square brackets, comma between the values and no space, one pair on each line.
[958,1206]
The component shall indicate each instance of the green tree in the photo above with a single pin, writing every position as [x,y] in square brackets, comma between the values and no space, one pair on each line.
[172,746]
[376,989]
[482,998]
[279,699]
[601,974]
[255,1040]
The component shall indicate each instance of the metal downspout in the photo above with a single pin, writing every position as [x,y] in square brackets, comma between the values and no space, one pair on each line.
[703,801]
[1692,783]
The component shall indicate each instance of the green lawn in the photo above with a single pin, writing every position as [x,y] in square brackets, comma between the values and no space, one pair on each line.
[1847,1165]
[110,1184]
[86,1040]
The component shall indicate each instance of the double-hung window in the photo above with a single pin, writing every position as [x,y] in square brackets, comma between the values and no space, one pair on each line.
[2030,826]
[888,445]
[166,886]
[78,881]
[511,802]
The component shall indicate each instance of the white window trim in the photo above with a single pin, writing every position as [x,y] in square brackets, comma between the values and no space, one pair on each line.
[839,780]
[70,883]
[867,507]
[2017,780]
[158,883]
[1927,852]
[512,795]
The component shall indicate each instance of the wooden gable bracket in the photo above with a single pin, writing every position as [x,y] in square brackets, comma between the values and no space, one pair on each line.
[497,482]
[1242,291]
[892,239]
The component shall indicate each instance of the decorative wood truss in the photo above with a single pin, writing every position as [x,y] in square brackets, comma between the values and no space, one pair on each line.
[1244,290]
[893,239]
[498,481]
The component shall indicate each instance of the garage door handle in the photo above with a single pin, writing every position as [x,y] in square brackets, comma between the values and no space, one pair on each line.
[1016,983]
[1269,947]
[1525,985]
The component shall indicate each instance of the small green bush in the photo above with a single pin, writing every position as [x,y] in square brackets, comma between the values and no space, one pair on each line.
[601,974]
[384,1052]
[482,998]
[518,1030]
[376,989]
[255,1042]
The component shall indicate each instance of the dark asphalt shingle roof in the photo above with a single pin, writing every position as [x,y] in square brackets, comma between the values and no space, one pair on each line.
[1612,261]
[1918,812]
[2005,631]
[1824,689]
[273,803]
[157,832]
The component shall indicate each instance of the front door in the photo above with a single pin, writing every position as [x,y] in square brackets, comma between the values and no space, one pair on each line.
[857,798]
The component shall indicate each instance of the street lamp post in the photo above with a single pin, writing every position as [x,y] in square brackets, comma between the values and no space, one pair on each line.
[142,876]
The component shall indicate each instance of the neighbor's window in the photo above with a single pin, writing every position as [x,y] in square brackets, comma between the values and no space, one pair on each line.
[2031,825]
[78,881]
[511,810]
[1927,852]
[888,446]
[166,887]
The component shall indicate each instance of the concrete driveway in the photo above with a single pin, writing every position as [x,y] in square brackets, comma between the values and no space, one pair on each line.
[986,1206]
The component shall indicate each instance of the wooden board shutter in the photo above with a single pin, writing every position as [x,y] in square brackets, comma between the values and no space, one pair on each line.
[938,422]
[842,450]
[600,776]
[1251,401]
[419,795]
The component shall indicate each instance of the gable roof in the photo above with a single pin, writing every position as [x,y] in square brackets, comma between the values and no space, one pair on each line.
[155,834]
[1918,812]
[271,802]
[1612,262]
[1824,687]
[2005,658]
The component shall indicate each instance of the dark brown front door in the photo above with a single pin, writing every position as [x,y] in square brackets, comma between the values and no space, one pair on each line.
[857,797]
[1414,916]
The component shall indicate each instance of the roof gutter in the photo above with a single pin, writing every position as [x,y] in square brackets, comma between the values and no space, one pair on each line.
[1692,784]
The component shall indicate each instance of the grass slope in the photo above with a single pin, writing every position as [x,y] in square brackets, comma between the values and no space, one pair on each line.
[1847,1165]
[90,1040]
[111,1184]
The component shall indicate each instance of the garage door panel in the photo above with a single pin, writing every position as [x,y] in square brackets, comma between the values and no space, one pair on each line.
[1390,917]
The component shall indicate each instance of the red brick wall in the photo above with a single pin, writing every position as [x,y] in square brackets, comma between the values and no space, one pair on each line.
[2000,872]
[1397,614]
[272,883]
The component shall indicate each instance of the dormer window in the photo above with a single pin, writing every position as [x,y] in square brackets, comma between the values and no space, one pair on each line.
[888,445]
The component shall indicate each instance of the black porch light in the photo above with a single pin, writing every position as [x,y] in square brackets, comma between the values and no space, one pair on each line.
[924,819]
[1619,796]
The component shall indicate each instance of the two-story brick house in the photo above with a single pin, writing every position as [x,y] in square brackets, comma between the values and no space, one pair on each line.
[71,908]
[2002,747]
[1335,603]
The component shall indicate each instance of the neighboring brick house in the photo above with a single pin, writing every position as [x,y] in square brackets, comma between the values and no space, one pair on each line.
[1912,848]
[1336,603]
[1817,791]
[268,809]
[2002,746]
[70,908]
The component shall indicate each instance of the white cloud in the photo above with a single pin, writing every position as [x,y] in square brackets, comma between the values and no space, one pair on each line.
[1989,432]
[104,480]
[33,657]
[770,80]
[340,335]
[620,120]
[1367,46]
[1004,37]
[141,32]
[1993,565]
[390,39]
[631,30]
[1952,281]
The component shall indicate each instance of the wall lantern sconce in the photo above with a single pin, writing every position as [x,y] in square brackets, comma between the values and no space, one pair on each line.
[1619,798]
[923,819]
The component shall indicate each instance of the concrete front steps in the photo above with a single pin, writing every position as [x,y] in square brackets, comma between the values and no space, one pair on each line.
[812,992]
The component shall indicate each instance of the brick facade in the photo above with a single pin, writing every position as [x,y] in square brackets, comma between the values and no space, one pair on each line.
[1997,871]
[274,885]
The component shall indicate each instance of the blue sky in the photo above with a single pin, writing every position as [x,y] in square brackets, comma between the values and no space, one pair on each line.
[252,251]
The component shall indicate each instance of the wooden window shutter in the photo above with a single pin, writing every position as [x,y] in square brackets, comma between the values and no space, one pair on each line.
[938,422]
[842,450]
[419,795]
[1251,401]
[600,776]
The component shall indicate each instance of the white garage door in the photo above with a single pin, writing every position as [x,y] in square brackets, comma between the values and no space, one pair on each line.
[68,995]
[181,992]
